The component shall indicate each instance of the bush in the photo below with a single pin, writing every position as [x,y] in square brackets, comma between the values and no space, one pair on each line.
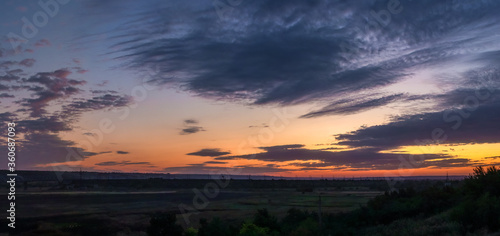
[483,181]
[263,219]
[164,224]
[214,228]
[191,232]
[308,227]
[249,229]
[480,207]
[474,214]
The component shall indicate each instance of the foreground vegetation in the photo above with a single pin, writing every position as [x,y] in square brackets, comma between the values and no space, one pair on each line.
[472,209]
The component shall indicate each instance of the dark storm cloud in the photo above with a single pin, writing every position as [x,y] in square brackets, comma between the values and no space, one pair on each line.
[290,52]
[214,152]
[463,115]
[467,124]
[365,158]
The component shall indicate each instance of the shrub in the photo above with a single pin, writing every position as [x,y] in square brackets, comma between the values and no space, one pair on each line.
[263,219]
[214,228]
[249,229]
[476,213]
[164,224]
[191,232]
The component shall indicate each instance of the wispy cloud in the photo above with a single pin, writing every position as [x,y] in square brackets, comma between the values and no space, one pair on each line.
[190,121]
[350,106]
[191,130]
[190,127]
[123,163]
[54,85]
[300,55]
[215,162]
[41,126]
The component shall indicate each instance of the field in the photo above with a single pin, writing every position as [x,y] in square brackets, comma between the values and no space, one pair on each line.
[128,209]
[348,206]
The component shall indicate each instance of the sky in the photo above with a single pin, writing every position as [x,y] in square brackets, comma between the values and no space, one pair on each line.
[283,88]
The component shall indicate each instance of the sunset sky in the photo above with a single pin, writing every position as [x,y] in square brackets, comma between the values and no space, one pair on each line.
[283,88]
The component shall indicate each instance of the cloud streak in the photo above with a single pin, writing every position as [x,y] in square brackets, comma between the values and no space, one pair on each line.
[123,163]
[208,153]
[191,127]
